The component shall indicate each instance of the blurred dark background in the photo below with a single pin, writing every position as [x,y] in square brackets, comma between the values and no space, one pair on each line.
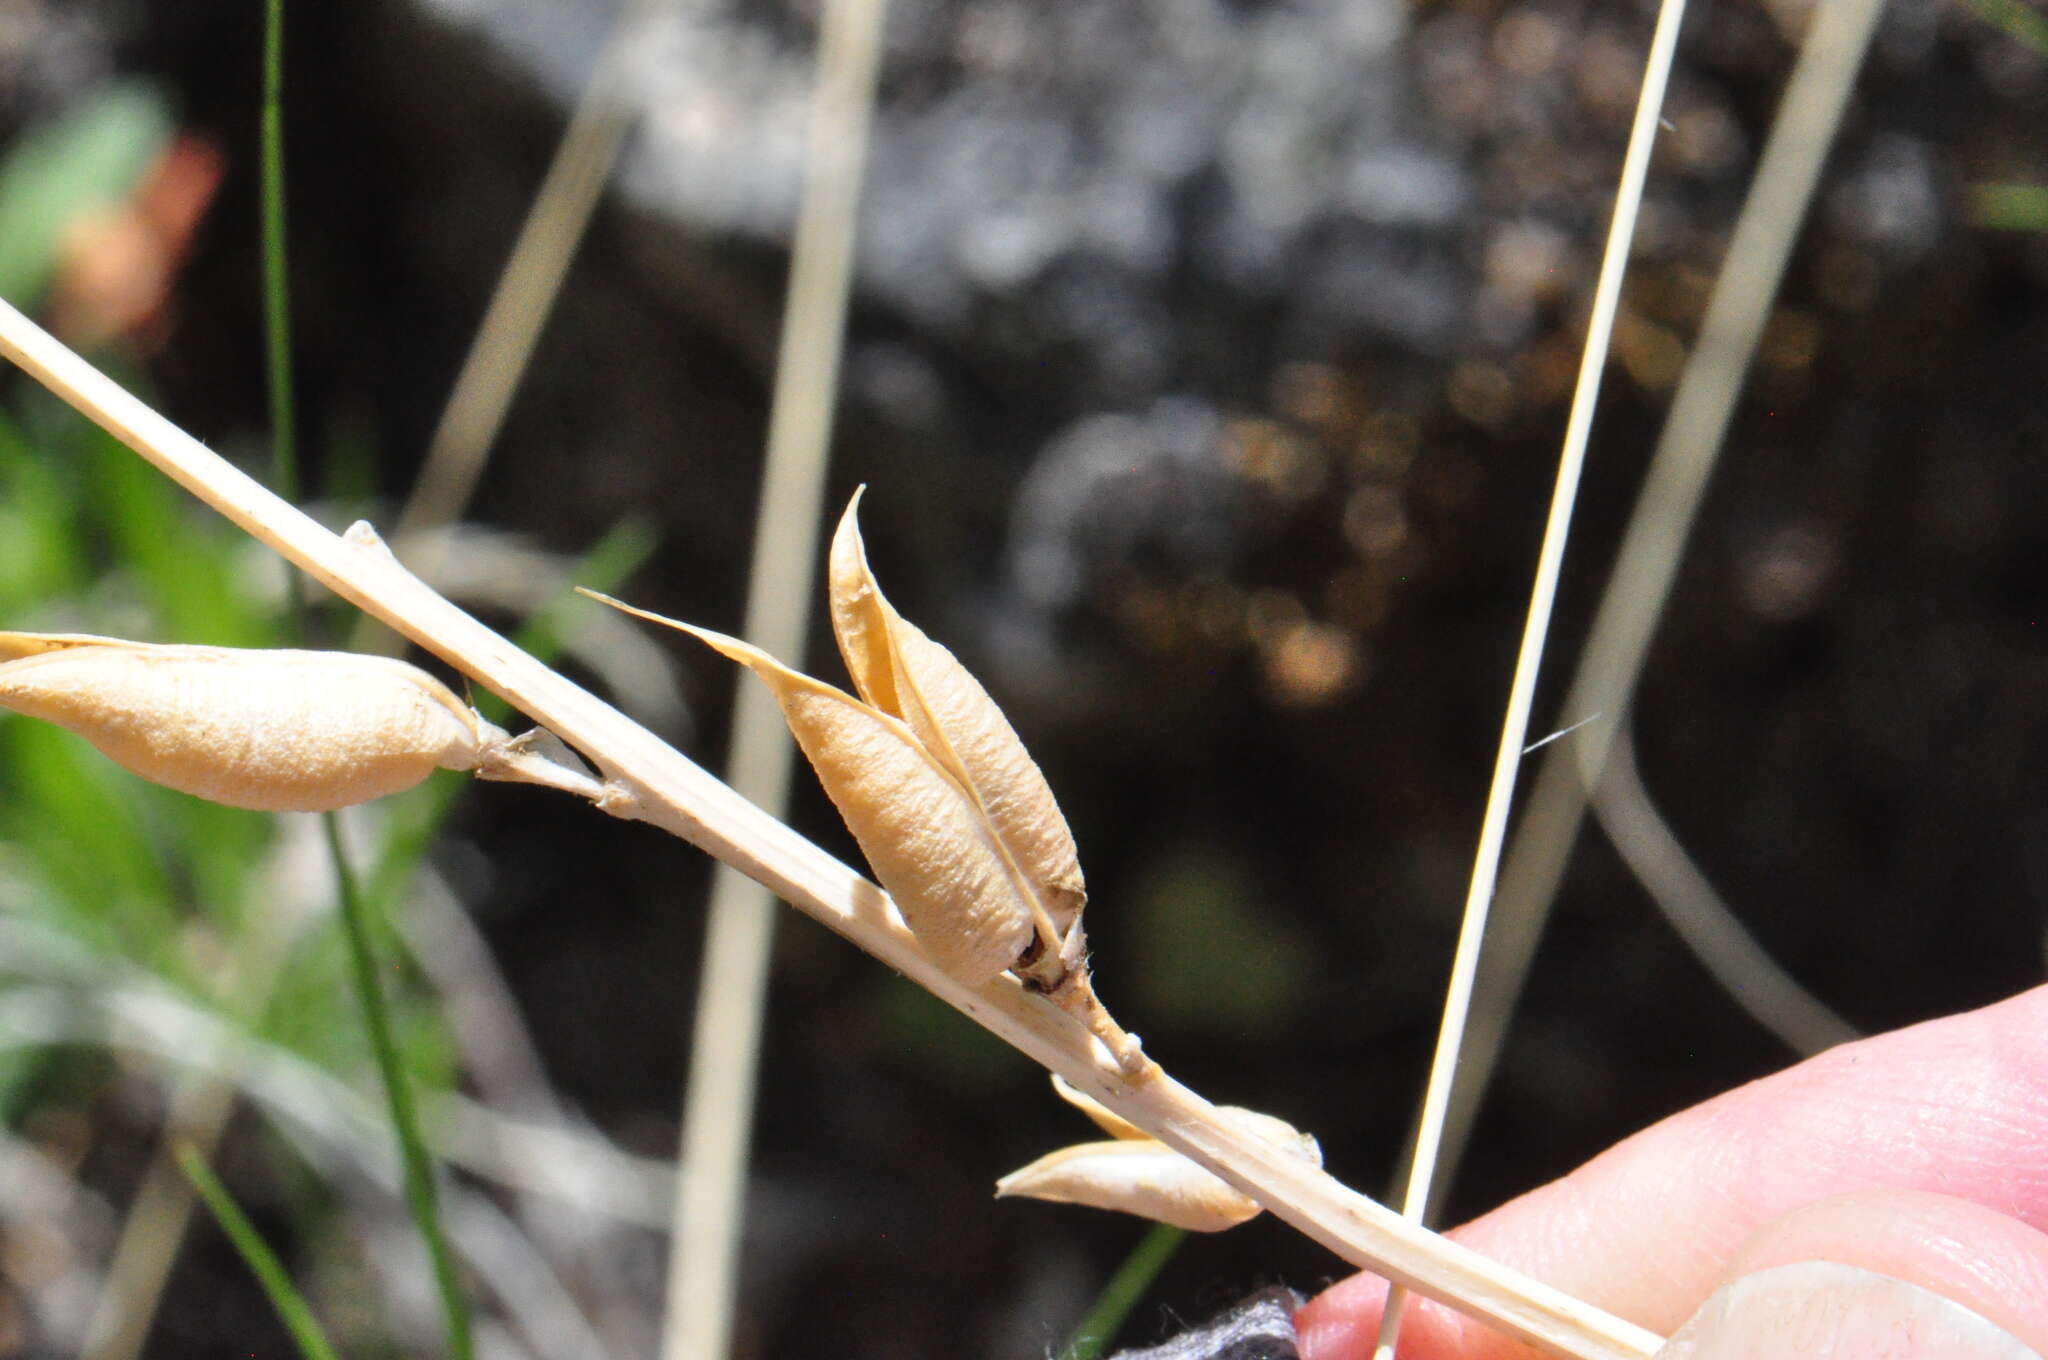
[1208,365]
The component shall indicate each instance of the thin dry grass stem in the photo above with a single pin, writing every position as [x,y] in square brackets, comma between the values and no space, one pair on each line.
[39,1188]
[197,1115]
[644,779]
[1514,736]
[732,989]
[153,1231]
[1647,563]
[526,289]
[1746,971]
[499,1056]
[574,1166]
[333,1127]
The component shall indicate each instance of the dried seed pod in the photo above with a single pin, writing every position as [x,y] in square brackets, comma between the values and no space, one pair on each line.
[14,646]
[922,833]
[956,820]
[1106,1119]
[1137,1174]
[277,731]
[1139,1177]
[900,671]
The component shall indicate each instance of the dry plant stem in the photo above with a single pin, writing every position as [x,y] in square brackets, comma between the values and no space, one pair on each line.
[1076,996]
[327,1122]
[154,1228]
[732,991]
[1644,569]
[1514,734]
[199,1107]
[526,290]
[1773,998]
[198,1112]
[647,780]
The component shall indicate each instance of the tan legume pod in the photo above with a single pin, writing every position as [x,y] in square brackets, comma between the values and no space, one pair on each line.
[900,671]
[1139,1177]
[1137,1174]
[277,731]
[1106,1119]
[922,835]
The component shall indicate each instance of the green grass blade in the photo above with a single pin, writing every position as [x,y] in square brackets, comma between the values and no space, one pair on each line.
[607,564]
[284,457]
[291,1306]
[420,1195]
[2010,207]
[1112,1307]
[2021,22]
[277,312]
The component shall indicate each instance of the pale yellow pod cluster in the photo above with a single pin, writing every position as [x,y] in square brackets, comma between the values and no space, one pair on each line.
[903,673]
[922,834]
[273,730]
[955,819]
[1137,1174]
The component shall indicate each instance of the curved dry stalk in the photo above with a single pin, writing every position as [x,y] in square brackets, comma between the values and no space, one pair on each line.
[1723,945]
[647,780]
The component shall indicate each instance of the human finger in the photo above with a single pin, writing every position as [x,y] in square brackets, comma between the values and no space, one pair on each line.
[1880,1272]
[1648,1229]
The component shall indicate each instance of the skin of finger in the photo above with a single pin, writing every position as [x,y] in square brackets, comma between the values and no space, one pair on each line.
[1824,1310]
[1994,1265]
[1956,1106]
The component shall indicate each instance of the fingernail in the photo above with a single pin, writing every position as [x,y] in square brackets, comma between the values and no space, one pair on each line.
[1825,1309]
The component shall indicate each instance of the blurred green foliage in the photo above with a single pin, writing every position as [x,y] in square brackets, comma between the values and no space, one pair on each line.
[2022,23]
[140,877]
[86,159]
[1211,963]
[2010,207]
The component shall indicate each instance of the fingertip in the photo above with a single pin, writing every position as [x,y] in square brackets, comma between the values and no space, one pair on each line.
[1343,1323]
[1988,1264]
[1338,1324]
[1650,1228]
[1843,1312]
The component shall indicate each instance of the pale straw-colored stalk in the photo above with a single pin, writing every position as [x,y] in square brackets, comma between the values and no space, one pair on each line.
[527,288]
[718,1102]
[1647,563]
[1717,938]
[1514,734]
[196,1112]
[645,779]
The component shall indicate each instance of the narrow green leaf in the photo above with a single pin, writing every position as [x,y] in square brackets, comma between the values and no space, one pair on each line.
[421,1196]
[2010,207]
[2021,22]
[291,1306]
[1112,1307]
